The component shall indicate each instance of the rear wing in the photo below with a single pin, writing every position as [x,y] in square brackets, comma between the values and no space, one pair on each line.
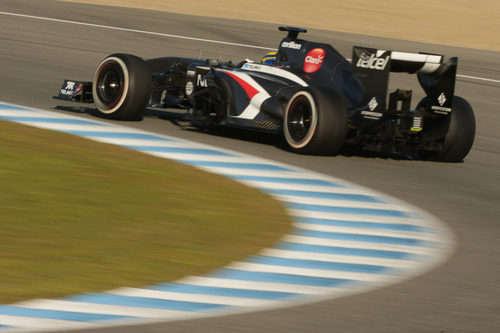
[372,68]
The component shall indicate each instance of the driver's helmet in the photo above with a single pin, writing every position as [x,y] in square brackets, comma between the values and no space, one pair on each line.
[269,58]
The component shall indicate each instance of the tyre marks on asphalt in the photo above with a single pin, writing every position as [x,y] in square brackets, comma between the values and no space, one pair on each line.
[345,239]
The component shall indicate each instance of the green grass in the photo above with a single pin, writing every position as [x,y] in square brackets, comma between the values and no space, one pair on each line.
[77,215]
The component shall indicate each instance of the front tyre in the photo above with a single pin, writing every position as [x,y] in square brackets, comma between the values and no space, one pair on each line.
[121,87]
[314,123]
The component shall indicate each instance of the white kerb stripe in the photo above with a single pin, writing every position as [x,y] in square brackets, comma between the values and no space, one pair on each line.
[41,323]
[255,285]
[189,297]
[337,258]
[365,231]
[307,272]
[130,311]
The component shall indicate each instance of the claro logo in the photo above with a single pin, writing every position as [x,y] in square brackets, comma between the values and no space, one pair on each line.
[314,60]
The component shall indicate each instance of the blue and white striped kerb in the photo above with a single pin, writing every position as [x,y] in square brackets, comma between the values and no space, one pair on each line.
[345,239]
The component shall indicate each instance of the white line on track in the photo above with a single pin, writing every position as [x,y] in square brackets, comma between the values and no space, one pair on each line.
[134,30]
[183,37]
[477,78]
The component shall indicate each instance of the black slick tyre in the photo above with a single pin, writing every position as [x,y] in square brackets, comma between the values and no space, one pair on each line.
[461,132]
[314,123]
[121,87]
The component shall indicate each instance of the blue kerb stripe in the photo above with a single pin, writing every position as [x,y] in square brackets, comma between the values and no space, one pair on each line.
[52,120]
[324,195]
[119,135]
[290,246]
[219,291]
[13,107]
[144,302]
[284,180]
[53,314]
[234,274]
[315,264]
[233,165]
[346,210]
[360,238]
[194,151]
[360,224]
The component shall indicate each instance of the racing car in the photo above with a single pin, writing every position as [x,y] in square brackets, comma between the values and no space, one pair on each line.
[306,93]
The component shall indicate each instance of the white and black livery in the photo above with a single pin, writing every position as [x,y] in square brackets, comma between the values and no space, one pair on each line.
[310,95]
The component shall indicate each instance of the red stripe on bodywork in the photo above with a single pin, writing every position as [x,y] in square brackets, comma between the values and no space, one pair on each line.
[249,89]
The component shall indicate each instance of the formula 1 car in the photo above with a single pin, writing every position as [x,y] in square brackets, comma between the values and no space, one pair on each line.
[308,93]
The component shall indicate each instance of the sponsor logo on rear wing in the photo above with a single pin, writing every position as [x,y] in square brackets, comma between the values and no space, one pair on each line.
[374,59]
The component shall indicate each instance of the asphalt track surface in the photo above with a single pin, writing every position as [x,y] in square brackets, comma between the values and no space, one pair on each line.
[460,296]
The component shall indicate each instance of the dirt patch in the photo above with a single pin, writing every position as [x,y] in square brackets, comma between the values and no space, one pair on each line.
[466,23]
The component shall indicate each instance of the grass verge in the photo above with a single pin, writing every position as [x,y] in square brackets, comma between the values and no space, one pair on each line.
[77,215]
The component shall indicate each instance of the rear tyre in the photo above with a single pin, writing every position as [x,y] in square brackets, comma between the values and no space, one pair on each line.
[122,87]
[314,123]
[460,137]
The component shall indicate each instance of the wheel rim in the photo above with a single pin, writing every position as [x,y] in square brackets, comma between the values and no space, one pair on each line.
[110,84]
[300,120]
